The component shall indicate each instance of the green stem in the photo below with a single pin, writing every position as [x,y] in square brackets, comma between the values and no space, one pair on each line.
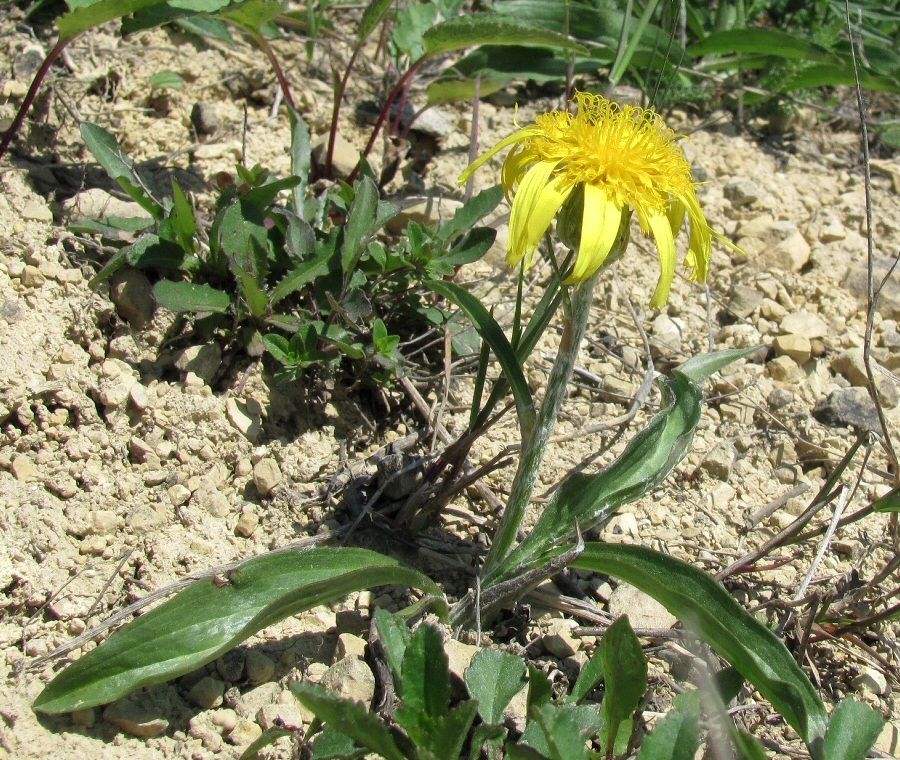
[532,454]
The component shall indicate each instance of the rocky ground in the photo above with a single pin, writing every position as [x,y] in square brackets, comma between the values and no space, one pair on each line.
[129,458]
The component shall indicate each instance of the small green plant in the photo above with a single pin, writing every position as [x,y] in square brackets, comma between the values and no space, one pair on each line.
[305,278]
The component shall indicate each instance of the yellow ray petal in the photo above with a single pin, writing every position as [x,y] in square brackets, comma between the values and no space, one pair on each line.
[536,203]
[665,243]
[676,212]
[600,222]
[522,134]
[700,247]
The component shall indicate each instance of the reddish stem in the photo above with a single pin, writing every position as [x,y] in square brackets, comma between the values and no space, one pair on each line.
[338,99]
[14,128]
[279,74]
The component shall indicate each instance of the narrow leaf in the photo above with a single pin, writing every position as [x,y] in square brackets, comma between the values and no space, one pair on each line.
[371,17]
[349,718]
[560,731]
[492,334]
[82,19]
[493,679]
[360,223]
[105,148]
[215,614]
[625,677]
[395,636]
[186,296]
[890,502]
[301,158]
[764,41]
[426,673]
[705,607]
[852,730]
[491,29]
[589,677]
[478,207]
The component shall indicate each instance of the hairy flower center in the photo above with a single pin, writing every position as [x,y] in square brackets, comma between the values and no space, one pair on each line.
[627,150]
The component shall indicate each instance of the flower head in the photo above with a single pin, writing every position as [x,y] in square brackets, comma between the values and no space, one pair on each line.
[602,162]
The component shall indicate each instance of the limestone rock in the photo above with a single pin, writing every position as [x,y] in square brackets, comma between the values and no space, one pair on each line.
[743,192]
[350,678]
[795,346]
[134,719]
[245,416]
[266,475]
[851,365]
[559,640]
[783,369]
[643,611]
[804,323]
[744,300]
[99,204]
[719,462]
[203,361]
[259,667]
[132,293]
[848,407]
[207,693]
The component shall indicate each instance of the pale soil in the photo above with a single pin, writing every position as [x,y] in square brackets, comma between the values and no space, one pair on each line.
[101,434]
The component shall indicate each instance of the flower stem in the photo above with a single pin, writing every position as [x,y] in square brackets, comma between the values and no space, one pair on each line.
[532,454]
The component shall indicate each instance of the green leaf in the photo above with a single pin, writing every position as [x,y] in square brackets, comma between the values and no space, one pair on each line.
[491,29]
[705,607]
[426,673]
[215,614]
[588,679]
[492,334]
[105,148]
[167,80]
[472,247]
[151,252]
[746,747]
[186,296]
[852,731]
[560,731]
[475,209]
[583,501]
[240,233]
[333,745]
[82,19]
[540,690]
[264,196]
[832,75]
[182,219]
[301,159]
[395,636]
[371,17]
[761,41]
[349,718]
[214,28]
[255,297]
[267,739]
[493,679]
[360,225]
[301,276]
[625,678]
[675,737]
[280,348]
[890,502]
[253,15]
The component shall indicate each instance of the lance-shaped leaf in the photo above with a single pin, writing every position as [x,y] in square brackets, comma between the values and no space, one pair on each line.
[583,501]
[625,681]
[213,615]
[493,335]
[710,611]
[82,19]
[492,29]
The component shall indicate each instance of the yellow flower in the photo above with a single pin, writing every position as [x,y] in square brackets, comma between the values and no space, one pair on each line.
[619,158]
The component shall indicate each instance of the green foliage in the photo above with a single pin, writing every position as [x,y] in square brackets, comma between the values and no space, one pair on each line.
[314,293]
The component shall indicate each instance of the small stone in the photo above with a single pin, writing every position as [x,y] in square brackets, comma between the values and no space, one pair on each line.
[795,346]
[141,451]
[103,522]
[230,666]
[139,396]
[99,204]
[623,524]
[207,693]
[287,716]
[258,667]
[203,361]
[719,462]
[244,733]
[889,739]
[833,229]
[847,407]
[785,370]
[851,365]
[247,524]
[345,156]
[134,719]
[791,254]
[145,519]
[643,611]
[856,281]
[64,487]
[742,192]
[23,468]
[245,416]
[559,640]
[204,118]
[178,494]
[266,475]
[349,645]
[32,277]
[615,390]
[224,719]
[155,477]
[250,702]
[871,680]
[804,323]
[84,718]
[37,211]
[132,293]
[744,301]
[350,678]
[92,546]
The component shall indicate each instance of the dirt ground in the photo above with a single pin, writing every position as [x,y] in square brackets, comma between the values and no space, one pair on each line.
[130,458]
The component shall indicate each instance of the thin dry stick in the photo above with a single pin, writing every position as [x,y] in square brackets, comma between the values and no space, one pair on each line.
[872,294]
[823,547]
[776,504]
